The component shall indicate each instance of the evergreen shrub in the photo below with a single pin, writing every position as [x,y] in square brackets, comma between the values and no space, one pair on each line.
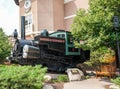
[21,77]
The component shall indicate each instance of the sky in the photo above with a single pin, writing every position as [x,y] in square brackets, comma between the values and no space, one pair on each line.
[9,16]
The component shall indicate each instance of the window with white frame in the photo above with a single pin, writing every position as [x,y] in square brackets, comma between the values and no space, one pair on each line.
[28,23]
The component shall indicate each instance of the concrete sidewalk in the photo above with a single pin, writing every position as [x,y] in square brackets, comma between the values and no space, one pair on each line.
[91,83]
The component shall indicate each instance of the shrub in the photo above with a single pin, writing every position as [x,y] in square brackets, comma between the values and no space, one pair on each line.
[21,77]
[61,78]
[116,81]
[101,55]
[5,46]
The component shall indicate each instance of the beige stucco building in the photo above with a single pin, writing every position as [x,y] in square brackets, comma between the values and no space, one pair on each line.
[48,14]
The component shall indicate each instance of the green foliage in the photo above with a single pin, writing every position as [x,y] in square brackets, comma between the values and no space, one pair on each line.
[5,46]
[87,77]
[94,27]
[97,56]
[61,78]
[116,81]
[21,77]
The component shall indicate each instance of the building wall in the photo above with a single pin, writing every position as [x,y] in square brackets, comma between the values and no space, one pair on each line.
[58,14]
[70,10]
[51,14]
[34,12]
[45,14]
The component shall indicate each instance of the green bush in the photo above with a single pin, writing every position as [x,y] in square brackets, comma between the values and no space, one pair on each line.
[61,78]
[97,56]
[116,81]
[5,46]
[21,77]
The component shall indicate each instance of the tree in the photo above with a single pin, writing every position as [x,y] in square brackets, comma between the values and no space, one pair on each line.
[5,46]
[94,27]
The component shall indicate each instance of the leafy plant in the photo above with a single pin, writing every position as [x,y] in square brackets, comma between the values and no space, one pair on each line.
[116,81]
[61,78]
[100,55]
[21,77]
[94,27]
[5,46]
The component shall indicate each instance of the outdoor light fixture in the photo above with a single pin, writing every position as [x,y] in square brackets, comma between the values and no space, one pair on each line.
[116,25]
[115,22]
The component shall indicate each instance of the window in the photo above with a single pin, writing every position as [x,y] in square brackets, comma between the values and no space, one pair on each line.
[61,35]
[70,39]
[28,23]
[72,49]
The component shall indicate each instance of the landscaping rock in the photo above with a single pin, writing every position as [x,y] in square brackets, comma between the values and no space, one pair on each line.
[74,74]
[47,78]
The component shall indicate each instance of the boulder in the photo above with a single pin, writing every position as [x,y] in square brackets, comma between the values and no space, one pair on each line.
[74,74]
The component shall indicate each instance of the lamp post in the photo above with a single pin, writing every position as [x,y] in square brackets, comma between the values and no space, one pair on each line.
[116,25]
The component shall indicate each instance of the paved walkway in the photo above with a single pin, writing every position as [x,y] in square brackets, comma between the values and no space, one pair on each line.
[91,83]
